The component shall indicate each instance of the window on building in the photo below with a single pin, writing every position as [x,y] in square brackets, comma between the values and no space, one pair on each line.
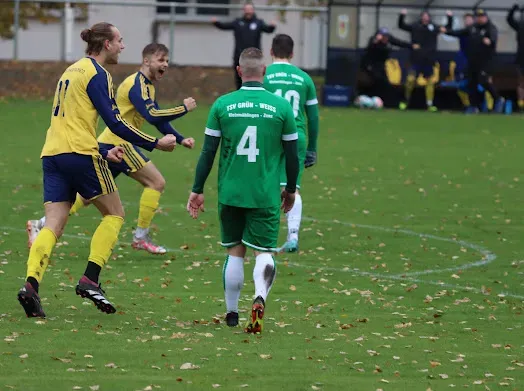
[205,11]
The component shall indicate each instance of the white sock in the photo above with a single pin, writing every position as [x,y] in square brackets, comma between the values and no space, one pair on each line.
[141,232]
[264,274]
[429,103]
[294,216]
[233,277]
[41,222]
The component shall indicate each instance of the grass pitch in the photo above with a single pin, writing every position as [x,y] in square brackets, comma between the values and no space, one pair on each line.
[410,275]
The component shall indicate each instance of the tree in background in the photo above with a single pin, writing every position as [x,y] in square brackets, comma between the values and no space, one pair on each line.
[44,12]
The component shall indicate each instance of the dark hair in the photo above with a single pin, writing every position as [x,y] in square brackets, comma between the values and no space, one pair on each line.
[96,36]
[154,48]
[467,14]
[282,46]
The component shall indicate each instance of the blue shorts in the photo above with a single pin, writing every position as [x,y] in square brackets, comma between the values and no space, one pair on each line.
[132,161]
[67,174]
[425,70]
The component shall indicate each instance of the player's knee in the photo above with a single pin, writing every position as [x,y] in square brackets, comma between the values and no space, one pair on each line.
[55,225]
[159,184]
[237,251]
[119,211]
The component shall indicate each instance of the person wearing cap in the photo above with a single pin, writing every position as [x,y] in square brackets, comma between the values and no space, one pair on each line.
[518,26]
[482,42]
[374,62]
[424,33]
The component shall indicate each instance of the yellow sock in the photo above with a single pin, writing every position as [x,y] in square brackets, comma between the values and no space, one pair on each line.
[521,103]
[148,205]
[104,239]
[410,86]
[464,98]
[489,100]
[79,203]
[430,92]
[39,254]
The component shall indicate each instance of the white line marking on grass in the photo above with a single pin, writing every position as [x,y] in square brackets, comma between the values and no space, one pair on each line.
[487,255]
[490,257]
[405,279]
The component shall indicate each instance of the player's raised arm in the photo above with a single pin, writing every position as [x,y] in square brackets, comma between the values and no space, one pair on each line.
[99,92]
[224,25]
[402,22]
[510,18]
[268,28]
[149,108]
[313,123]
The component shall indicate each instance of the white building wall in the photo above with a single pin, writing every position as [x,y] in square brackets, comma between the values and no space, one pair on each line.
[195,42]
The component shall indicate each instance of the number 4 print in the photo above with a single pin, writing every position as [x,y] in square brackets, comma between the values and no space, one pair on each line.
[248,144]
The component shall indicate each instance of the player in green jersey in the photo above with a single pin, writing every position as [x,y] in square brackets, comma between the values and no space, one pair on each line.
[257,131]
[287,80]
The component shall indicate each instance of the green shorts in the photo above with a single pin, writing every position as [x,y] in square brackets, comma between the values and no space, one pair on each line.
[255,228]
[301,160]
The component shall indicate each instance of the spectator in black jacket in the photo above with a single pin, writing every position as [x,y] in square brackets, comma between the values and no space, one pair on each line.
[247,31]
[481,48]
[424,33]
[374,63]
[518,26]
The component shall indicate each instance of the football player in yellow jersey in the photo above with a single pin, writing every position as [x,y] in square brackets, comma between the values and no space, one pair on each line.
[72,163]
[136,101]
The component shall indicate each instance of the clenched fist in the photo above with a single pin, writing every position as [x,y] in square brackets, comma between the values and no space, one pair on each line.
[188,142]
[166,143]
[115,154]
[190,104]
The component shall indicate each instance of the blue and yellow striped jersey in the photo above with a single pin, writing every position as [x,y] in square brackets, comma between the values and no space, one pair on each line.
[135,98]
[85,91]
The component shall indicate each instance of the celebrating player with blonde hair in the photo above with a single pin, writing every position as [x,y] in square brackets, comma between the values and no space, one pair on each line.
[73,163]
[136,99]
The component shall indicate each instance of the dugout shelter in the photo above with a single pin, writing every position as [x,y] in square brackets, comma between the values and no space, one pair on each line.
[352,22]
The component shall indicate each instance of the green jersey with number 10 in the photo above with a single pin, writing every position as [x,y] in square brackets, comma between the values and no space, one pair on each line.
[293,84]
[252,124]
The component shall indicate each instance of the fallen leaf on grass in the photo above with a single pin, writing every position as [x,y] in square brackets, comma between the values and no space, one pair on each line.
[94,388]
[265,356]
[24,355]
[216,385]
[64,360]
[292,288]
[111,365]
[443,376]
[188,365]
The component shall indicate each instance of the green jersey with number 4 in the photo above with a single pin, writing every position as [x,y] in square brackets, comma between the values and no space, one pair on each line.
[252,124]
[293,84]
